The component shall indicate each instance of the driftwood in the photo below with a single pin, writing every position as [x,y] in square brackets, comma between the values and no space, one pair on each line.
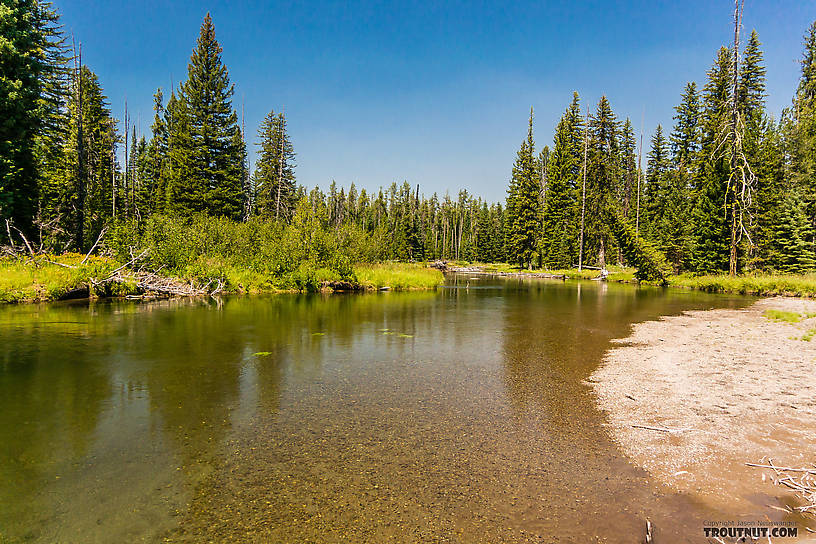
[341,286]
[478,271]
[98,239]
[802,481]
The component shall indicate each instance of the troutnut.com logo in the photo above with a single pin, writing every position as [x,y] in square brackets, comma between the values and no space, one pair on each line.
[750,530]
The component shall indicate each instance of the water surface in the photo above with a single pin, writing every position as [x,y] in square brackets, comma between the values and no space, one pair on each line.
[457,415]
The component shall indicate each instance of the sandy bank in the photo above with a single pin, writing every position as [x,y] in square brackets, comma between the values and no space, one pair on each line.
[734,385]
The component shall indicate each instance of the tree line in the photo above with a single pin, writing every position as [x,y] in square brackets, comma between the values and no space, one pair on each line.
[729,188]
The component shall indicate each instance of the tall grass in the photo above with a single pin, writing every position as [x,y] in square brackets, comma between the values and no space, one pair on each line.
[399,276]
[38,279]
[766,285]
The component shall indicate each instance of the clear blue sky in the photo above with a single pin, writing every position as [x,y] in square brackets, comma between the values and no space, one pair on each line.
[436,93]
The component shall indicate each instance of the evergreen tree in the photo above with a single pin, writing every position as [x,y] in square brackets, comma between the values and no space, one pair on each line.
[274,169]
[523,203]
[790,248]
[710,218]
[156,164]
[206,147]
[801,128]
[751,90]
[685,138]
[558,234]
[63,203]
[629,172]
[655,191]
[603,180]
[32,89]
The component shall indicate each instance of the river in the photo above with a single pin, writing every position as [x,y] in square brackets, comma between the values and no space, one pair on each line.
[458,415]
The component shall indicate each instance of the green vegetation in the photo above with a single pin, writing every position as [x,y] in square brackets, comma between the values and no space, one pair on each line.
[761,284]
[49,277]
[397,276]
[781,315]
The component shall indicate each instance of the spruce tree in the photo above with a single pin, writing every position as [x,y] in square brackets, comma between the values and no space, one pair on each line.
[558,235]
[274,169]
[603,180]
[801,128]
[657,168]
[156,169]
[206,147]
[751,90]
[685,137]
[710,217]
[629,172]
[32,90]
[63,202]
[523,203]
[791,248]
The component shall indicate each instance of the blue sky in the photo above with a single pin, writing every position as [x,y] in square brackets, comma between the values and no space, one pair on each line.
[436,93]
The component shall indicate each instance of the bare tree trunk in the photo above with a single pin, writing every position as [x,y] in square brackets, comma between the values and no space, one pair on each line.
[602,255]
[732,259]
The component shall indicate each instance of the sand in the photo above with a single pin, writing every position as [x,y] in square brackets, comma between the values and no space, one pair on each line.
[733,386]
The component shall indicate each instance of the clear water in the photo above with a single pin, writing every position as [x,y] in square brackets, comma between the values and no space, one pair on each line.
[458,415]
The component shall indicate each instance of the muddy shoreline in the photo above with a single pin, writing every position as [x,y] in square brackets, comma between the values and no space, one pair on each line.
[692,398]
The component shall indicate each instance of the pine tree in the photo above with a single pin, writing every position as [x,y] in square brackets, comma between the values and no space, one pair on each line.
[655,191]
[62,201]
[523,204]
[629,171]
[156,167]
[709,217]
[206,147]
[801,128]
[274,169]
[791,249]
[32,89]
[558,234]
[685,138]
[603,180]
[751,90]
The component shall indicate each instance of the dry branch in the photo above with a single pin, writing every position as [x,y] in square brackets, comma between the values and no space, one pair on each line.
[802,481]
[101,234]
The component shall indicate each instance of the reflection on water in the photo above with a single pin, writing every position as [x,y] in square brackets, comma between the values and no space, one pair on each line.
[401,416]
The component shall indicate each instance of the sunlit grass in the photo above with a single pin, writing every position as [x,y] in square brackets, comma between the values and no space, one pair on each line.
[781,315]
[36,279]
[760,284]
[398,276]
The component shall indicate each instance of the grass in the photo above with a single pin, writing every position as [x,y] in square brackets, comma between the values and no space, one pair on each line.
[796,285]
[39,279]
[760,284]
[781,315]
[398,276]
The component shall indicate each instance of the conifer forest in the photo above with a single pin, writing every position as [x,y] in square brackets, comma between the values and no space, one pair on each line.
[726,188]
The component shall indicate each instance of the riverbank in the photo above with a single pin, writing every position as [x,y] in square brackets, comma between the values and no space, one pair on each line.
[790,285]
[44,278]
[693,398]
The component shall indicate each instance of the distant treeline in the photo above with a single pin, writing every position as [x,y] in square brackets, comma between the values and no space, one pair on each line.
[729,189]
